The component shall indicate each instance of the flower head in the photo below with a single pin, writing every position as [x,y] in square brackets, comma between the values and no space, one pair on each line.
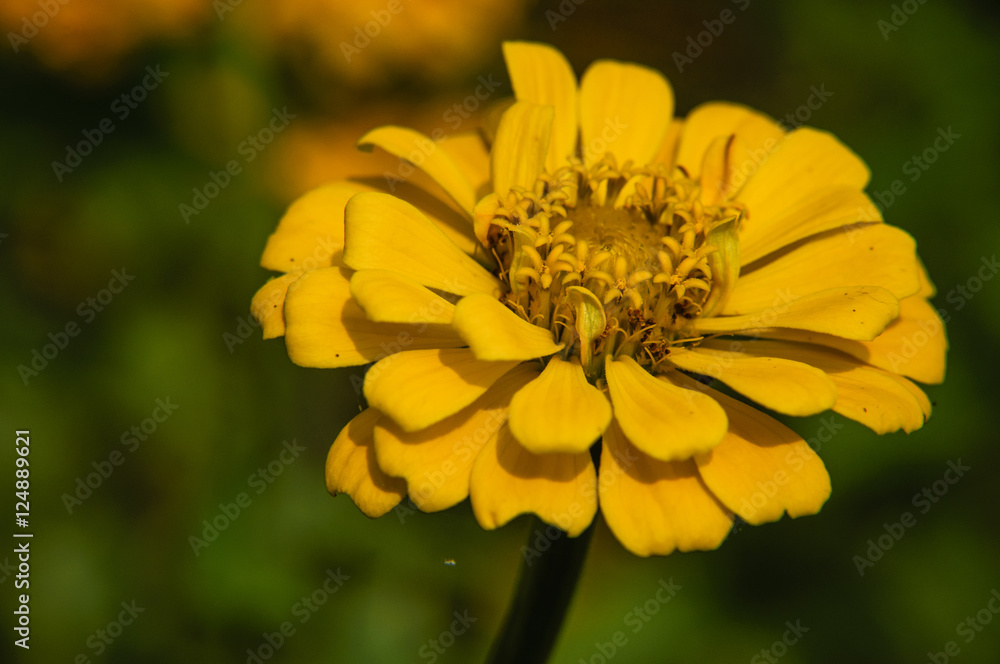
[543,341]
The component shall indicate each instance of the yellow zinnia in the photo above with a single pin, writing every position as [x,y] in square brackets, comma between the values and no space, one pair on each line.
[542,340]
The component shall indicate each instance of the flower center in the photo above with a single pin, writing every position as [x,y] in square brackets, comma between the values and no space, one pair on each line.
[615,259]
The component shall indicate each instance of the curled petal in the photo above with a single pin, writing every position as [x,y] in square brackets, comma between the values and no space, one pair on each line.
[494,332]
[351,468]
[762,469]
[663,420]
[559,411]
[656,507]
[508,480]
[417,388]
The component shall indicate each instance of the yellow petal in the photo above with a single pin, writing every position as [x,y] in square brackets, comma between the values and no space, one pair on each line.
[927,289]
[877,255]
[268,305]
[494,332]
[384,232]
[853,313]
[445,216]
[423,153]
[389,297]
[508,480]
[626,195]
[559,411]
[663,420]
[483,216]
[436,461]
[325,327]
[808,160]
[759,136]
[521,145]
[420,387]
[717,171]
[839,206]
[762,469]
[541,74]
[470,152]
[351,468]
[914,345]
[913,389]
[881,401]
[491,118]
[654,507]
[667,153]
[625,109]
[784,386]
[311,232]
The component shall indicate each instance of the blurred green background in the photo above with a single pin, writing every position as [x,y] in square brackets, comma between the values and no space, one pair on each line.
[179,332]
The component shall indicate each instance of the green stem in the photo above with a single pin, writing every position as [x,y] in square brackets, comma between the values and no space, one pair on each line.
[543,595]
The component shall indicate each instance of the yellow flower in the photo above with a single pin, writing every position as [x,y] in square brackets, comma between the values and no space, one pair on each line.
[542,339]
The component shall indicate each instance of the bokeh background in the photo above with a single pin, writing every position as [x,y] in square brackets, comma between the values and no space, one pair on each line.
[179,332]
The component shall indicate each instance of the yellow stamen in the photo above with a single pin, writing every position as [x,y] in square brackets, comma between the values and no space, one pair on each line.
[633,237]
